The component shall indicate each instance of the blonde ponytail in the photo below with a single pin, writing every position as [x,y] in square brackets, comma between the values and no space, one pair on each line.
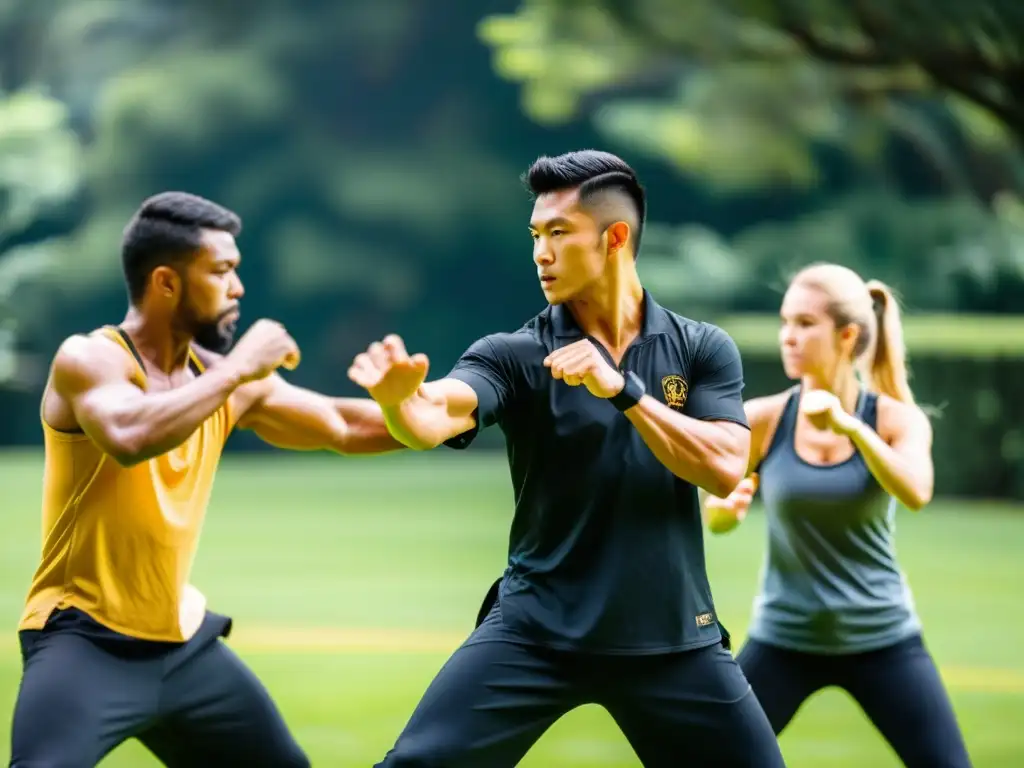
[886,364]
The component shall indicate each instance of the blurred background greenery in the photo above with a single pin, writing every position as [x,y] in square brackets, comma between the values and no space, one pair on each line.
[374,149]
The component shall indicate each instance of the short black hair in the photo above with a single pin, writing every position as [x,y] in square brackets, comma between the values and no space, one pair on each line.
[166,229]
[592,172]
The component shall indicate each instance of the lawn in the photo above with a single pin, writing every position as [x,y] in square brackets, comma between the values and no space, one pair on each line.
[350,581]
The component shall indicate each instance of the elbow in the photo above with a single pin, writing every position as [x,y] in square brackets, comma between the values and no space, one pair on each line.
[917,501]
[726,469]
[920,493]
[127,447]
[726,475]
[125,459]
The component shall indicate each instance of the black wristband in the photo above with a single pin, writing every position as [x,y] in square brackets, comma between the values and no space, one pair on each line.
[631,393]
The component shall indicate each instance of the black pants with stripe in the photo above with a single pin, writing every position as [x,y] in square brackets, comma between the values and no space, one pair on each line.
[85,690]
[898,688]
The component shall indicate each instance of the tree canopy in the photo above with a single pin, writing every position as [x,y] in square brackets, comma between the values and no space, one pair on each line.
[751,92]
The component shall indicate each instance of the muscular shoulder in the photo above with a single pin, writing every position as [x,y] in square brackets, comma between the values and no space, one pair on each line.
[896,419]
[82,364]
[82,360]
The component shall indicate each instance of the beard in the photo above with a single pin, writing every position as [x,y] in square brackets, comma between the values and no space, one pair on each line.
[216,335]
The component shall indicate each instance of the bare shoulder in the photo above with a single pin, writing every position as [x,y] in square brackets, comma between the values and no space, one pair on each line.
[83,364]
[897,419]
[764,412]
[84,360]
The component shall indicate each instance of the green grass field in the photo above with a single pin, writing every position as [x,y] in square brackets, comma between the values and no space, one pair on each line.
[351,580]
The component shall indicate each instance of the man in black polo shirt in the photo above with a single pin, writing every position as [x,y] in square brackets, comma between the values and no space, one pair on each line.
[615,411]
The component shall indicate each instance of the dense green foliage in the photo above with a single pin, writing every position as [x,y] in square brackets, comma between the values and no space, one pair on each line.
[377,170]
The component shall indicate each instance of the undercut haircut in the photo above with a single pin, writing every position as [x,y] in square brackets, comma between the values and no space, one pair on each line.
[598,176]
[166,231]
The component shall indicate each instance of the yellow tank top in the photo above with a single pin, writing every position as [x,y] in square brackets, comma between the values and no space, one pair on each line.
[118,543]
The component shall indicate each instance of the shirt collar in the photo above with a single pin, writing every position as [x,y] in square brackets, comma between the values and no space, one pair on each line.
[565,326]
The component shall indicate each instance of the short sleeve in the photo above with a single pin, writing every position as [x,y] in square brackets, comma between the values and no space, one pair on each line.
[716,391]
[488,367]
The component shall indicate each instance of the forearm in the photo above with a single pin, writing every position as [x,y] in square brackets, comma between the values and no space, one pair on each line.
[700,452]
[366,429]
[140,428]
[417,422]
[908,481]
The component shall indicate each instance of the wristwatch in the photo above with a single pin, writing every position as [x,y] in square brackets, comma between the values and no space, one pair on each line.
[631,393]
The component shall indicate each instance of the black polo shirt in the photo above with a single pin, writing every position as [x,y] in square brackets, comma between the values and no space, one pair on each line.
[606,551]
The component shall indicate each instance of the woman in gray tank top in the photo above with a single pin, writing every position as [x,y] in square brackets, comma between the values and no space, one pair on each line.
[832,457]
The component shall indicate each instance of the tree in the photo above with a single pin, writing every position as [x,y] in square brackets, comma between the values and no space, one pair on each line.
[40,172]
[363,178]
[758,89]
[810,95]
[942,255]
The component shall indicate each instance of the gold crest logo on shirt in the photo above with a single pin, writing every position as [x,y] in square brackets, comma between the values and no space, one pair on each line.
[675,389]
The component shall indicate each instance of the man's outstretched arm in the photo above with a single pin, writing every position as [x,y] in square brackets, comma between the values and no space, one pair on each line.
[298,419]
[423,415]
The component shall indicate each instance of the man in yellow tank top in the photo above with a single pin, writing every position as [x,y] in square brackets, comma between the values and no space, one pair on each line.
[116,643]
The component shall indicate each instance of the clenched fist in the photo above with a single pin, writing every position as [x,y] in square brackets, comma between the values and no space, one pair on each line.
[583,363]
[264,348]
[824,411]
[722,515]
[388,372]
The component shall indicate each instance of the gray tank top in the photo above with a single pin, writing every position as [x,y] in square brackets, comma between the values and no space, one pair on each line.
[830,582]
